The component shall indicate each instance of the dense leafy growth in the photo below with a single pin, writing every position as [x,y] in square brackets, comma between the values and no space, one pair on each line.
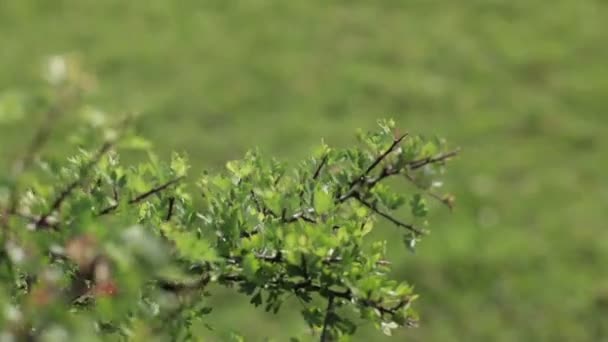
[92,248]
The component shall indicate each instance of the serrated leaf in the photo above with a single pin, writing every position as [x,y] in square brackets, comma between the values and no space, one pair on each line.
[250,265]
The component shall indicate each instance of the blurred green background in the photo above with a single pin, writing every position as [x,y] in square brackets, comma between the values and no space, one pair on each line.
[520,85]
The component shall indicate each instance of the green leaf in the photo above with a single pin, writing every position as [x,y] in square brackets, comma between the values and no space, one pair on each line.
[179,164]
[387,328]
[257,299]
[323,200]
[250,265]
[418,205]
[189,245]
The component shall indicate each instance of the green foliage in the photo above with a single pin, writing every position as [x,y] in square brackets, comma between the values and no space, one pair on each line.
[520,87]
[93,248]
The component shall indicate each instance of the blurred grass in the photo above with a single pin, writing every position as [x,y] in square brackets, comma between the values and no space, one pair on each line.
[520,85]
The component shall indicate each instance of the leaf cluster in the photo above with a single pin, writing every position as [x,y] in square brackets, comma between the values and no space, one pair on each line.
[94,248]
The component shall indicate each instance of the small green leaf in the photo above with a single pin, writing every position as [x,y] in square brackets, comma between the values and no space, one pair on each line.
[179,164]
[257,299]
[387,328]
[323,200]
[418,205]
[250,265]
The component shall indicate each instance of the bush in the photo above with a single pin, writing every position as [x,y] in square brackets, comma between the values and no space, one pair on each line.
[92,248]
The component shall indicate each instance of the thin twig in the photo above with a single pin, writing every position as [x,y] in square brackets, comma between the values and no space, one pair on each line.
[378,160]
[389,217]
[325,332]
[72,186]
[315,176]
[178,287]
[142,196]
[170,209]
[261,207]
[444,200]
[155,190]
[309,286]
[416,164]
[320,167]
[39,139]
[300,215]
[352,187]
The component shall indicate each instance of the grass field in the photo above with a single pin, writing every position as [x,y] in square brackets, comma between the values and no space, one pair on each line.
[520,85]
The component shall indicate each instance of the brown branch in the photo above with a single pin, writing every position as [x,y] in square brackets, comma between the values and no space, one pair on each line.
[389,217]
[386,172]
[178,287]
[261,207]
[72,186]
[391,170]
[170,209]
[310,286]
[326,322]
[300,215]
[39,139]
[315,176]
[320,167]
[142,196]
[378,160]
[416,164]
[446,200]
[107,210]
[352,187]
[155,190]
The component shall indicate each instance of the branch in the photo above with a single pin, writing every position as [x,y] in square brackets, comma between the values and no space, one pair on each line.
[391,170]
[388,217]
[261,206]
[39,139]
[378,160]
[72,186]
[143,196]
[155,190]
[308,285]
[170,209]
[315,176]
[447,199]
[178,287]
[352,190]
[416,164]
[326,321]
[386,172]
[320,167]
[300,215]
